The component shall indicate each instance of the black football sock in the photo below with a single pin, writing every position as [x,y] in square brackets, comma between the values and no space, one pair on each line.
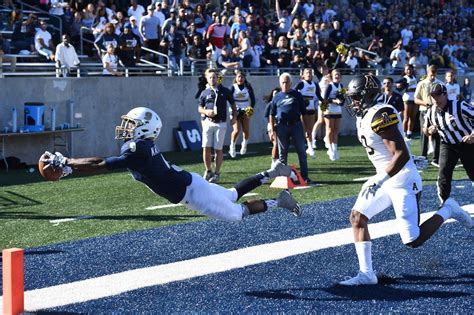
[248,184]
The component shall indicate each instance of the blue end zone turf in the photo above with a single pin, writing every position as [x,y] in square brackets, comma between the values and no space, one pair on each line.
[437,277]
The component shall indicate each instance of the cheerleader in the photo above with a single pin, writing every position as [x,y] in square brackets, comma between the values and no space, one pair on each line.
[312,95]
[245,102]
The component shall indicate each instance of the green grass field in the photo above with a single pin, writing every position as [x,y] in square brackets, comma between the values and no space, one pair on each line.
[118,204]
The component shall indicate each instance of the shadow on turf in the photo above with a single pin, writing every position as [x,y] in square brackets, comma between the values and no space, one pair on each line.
[10,199]
[383,291]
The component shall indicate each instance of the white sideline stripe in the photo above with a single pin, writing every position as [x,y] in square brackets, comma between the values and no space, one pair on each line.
[114,284]
[361,179]
[82,217]
[171,205]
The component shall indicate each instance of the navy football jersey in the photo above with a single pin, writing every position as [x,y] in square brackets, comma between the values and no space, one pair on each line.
[146,163]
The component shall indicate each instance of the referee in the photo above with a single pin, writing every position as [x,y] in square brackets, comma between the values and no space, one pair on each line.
[453,121]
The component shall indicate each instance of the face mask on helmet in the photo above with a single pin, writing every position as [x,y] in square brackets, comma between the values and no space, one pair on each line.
[362,92]
[139,123]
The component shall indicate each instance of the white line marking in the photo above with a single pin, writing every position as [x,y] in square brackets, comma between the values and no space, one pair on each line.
[171,205]
[250,194]
[361,179]
[114,284]
[82,217]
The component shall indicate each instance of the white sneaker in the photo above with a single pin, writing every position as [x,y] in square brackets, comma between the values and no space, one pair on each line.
[458,213]
[326,142]
[310,151]
[232,152]
[336,155]
[331,154]
[362,278]
[314,145]
[243,149]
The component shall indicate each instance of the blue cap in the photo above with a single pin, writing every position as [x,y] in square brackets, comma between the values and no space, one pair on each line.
[127,25]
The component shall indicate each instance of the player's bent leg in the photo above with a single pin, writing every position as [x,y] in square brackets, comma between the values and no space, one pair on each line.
[252,182]
[449,210]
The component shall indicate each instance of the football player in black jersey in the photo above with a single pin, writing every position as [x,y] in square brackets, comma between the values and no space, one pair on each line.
[141,156]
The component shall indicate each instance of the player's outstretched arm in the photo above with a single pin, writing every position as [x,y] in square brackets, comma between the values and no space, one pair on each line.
[87,165]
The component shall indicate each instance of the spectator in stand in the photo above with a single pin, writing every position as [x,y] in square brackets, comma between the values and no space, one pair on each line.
[271,135]
[150,32]
[424,101]
[406,35]
[244,98]
[158,13]
[333,114]
[67,60]
[216,34]
[284,54]
[230,61]
[311,96]
[43,42]
[398,56]
[110,62]
[136,10]
[351,60]
[245,49]
[213,109]
[284,19]
[452,87]
[408,84]
[237,26]
[171,20]
[130,47]
[197,49]
[23,36]
[174,44]
[107,38]
[100,22]
[287,123]
[135,28]
[295,24]
[200,19]
[89,15]
[466,91]
[336,35]
[389,96]
[270,53]
[119,21]
[298,44]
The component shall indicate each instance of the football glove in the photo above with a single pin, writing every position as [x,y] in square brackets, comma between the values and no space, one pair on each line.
[373,184]
[58,160]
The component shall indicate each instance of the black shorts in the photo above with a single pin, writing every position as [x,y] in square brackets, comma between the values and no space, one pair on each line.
[310,112]
[332,116]
[410,103]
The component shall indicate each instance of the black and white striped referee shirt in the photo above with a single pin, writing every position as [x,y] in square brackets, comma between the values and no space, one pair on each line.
[453,123]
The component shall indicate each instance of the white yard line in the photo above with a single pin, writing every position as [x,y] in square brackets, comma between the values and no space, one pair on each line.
[82,217]
[171,205]
[114,284]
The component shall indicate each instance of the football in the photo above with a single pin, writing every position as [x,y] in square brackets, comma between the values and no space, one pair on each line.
[47,171]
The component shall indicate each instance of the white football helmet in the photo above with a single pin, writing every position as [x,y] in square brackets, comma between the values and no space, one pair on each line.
[139,123]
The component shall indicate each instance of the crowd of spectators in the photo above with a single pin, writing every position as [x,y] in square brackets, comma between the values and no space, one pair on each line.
[384,34]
